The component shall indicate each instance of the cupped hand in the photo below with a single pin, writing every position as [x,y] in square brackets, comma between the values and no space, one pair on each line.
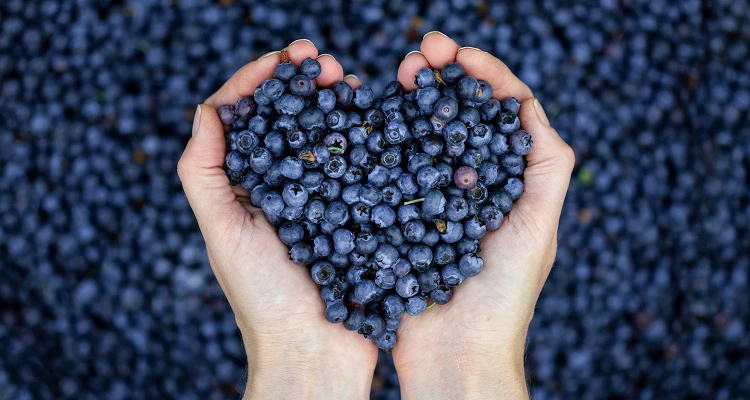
[473,346]
[293,352]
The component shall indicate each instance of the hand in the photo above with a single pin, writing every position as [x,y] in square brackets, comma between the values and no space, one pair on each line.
[292,351]
[474,345]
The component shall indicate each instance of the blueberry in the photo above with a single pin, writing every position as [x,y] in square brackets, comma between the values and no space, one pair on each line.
[336,312]
[323,273]
[420,257]
[451,275]
[492,217]
[488,173]
[407,286]
[444,254]
[434,203]
[441,295]
[355,320]
[386,255]
[452,73]
[445,109]
[373,327]
[354,274]
[379,176]
[353,175]
[485,92]
[285,71]
[426,99]
[471,158]
[396,131]
[510,105]
[365,291]
[275,142]
[301,253]
[330,189]
[455,133]
[432,145]
[421,127]
[260,98]
[366,243]
[453,232]
[272,203]
[258,125]
[468,88]
[502,200]
[415,305]
[273,89]
[226,114]
[385,278]
[393,88]
[335,167]
[311,180]
[376,143]
[456,209]
[310,68]
[414,230]
[431,236]
[470,265]
[244,108]
[302,86]
[363,97]
[474,228]
[343,92]
[315,211]
[357,135]
[499,144]
[391,195]
[326,100]
[374,119]
[357,258]
[469,116]
[521,142]
[370,195]
[428,177]
[294,195]
[361,213]
[337,120]
[514,187]
[508,123]
[478,193]
[350,194]
[391,325]
[337,213]
[236,161]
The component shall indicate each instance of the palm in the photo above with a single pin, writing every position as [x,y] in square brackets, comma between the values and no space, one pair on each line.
[281,295]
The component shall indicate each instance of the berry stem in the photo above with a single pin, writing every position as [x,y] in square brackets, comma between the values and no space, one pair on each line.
[334,148]
[430,306]
[406,203]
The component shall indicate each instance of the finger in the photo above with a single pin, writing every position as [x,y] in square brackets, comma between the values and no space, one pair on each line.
[483,65]
[353,81]
[408,69]
[203,179]
[438,49]
[550,164]
[330,71]
[251,75]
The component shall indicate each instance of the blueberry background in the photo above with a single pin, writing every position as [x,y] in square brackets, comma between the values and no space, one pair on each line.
[105,288]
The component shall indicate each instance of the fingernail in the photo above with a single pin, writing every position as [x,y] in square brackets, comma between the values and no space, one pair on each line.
[431,32]
[540,113]
[328,55]
[197,120]
[469,47]
[270,53]
[351,76]
[299,40]
[412,52]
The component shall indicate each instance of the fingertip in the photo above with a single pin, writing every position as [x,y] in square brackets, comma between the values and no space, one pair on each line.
[439,49]
[408,69]
[353,81]
[207,147]
[331,71]
[483,65]
[299,50]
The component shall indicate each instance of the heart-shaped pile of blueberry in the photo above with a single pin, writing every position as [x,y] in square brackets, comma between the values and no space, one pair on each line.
[384,200]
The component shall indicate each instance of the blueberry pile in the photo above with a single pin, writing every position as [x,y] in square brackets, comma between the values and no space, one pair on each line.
[384,199]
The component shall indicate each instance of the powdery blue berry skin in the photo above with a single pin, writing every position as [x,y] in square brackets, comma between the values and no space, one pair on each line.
[429,279]
[507,123]
[514,187]
[301,254]
[470,265]
[363,97]
[370,195]
[455,133]
[343,241]
[492,217]
[272,203]
[365,291]
[444,254]
[273,89]
[285,71]
[335,167]
[456,209]
[396,131]
[226,114]
[322,272]
[420,257]
[521,142]
[339,260]
[236,161]
[421,127]
[414,230]
[385,278]
[434,203]
[337,120]
[258,125]
[322,246]
[386,255]
[452,73]
[451,275]
[416,305]
[326,100]
[336,312]
[383,215]
[502,200]
[366,243]
[355,319]
[469,116]
[474,228]
[391,325]
[407,286]
[343,92]
[510,105]
[373,326]
[310,68]
[379,176]
[294,195]
[391,195]
[394,236]
[454,232]
[468,88]
[337,213]
[441,295]
[489,110]
[289,104]
[445,109]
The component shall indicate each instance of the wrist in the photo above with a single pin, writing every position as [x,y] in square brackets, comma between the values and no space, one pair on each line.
[304,370]
[467,370]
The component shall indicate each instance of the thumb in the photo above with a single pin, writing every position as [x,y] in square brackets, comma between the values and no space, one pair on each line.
[550,164]
[203,179]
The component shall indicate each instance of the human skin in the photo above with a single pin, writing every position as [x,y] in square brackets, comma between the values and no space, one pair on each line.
[470,347]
